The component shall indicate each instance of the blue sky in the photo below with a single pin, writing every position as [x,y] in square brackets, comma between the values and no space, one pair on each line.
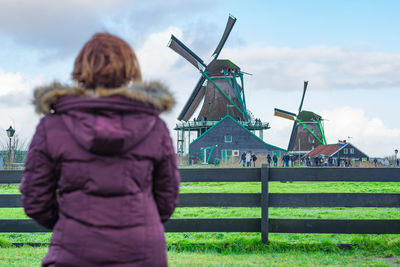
[348,50]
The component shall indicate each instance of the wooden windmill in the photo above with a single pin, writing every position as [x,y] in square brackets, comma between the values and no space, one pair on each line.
[308,129]
[220,84]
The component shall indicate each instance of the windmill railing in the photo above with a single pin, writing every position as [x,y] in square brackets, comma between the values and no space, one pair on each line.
[263,200]
[194,124]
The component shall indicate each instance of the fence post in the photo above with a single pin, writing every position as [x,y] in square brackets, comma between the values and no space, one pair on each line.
[264,203]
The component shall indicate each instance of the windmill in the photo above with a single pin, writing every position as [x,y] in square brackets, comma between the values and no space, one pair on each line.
[220,84]
[308,129]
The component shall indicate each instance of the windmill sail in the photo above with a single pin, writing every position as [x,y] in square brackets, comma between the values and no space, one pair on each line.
[304,93]
[284,114]
[193,101]
[185,52]
[223,95]
[228,29]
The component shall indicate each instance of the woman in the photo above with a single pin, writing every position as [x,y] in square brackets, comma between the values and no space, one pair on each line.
[101,170]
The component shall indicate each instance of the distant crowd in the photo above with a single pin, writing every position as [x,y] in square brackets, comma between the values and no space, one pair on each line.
[248,159]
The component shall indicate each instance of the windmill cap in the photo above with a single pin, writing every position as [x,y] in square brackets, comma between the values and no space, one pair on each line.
[217,65]
[308,116]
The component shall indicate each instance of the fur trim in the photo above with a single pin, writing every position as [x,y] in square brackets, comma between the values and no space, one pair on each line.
[153,93]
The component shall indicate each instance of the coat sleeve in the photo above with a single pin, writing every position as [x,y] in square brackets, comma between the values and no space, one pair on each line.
[166,178]
[39,182]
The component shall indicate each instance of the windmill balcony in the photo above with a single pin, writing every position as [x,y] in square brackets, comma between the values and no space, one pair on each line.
[192,125]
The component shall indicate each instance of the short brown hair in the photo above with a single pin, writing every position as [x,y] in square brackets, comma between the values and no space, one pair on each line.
[106,61]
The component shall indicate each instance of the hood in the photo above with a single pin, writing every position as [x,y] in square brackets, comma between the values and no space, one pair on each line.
[106,121]
[151,93]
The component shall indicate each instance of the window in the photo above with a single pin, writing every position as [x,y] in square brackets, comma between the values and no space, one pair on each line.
[228,138]
[345,151]
[351,150]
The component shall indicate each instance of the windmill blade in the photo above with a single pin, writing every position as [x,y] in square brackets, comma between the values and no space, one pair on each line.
[284,114]
[304,93]
[228,28]
[193,101]
[185,52]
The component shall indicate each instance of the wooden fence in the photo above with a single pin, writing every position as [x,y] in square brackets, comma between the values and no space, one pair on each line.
[264,200]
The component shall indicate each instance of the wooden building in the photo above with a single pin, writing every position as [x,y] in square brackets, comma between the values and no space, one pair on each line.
[340,151]
[226,139]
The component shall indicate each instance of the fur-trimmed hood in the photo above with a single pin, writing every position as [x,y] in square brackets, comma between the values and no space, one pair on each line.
[151,93]
[106,121]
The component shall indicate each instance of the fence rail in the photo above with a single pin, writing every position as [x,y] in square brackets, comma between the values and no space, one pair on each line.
[275,175]
[264,200]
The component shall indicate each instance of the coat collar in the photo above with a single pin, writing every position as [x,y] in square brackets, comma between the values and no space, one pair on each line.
[153,93]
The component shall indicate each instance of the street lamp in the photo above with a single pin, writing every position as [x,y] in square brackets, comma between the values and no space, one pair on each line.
[10,133]
[395,156]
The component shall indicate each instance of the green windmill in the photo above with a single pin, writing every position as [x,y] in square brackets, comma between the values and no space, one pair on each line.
[308,128]
[220,84]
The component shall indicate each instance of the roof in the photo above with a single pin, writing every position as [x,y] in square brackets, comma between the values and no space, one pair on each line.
[215,66]
[235,121]
[326,150]
[308,116]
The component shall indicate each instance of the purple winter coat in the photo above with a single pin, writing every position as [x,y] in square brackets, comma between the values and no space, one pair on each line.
[101,173]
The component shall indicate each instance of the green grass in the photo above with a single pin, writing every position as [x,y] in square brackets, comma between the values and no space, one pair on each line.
[27,256]
[293,258]
[274,187]
[297,187]
[246,249]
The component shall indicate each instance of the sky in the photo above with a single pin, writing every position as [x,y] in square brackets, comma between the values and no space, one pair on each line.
[349,51]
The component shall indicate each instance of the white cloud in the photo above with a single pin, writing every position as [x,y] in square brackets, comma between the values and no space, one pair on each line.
[25,16]
[16,83]
[58,27]
[15,102]
[329,68]
[279,133]
[158,62]
[369,134]
[156,59]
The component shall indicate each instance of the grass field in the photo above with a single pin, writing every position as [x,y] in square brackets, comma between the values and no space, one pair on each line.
[246,249]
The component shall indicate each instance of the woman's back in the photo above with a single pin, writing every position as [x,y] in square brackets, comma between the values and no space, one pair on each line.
[101,172]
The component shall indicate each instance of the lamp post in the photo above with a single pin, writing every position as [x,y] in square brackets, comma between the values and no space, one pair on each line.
[10,133]
[395,157]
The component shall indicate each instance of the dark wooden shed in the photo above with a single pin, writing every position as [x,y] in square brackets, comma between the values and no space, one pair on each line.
[226,139]
[340,151]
